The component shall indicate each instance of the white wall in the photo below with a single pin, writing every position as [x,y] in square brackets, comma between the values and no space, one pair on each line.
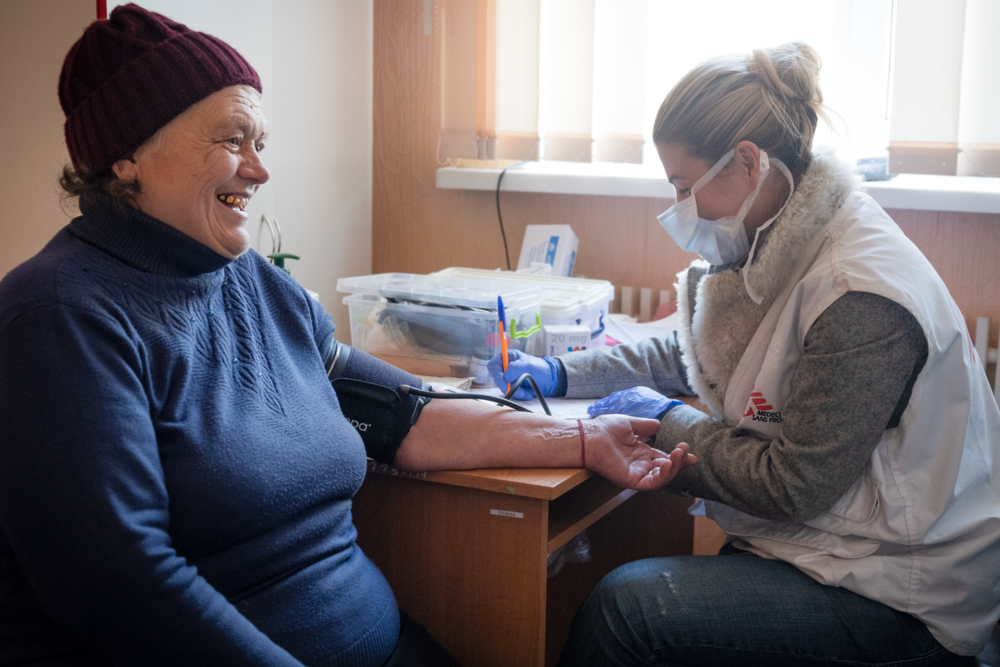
[315,62]
[322,163]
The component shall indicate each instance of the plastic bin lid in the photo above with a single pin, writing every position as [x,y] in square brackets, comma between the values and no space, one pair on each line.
[561,296]
[479,292]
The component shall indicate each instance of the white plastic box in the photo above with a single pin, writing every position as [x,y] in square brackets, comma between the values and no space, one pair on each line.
[444,326]
[564,300]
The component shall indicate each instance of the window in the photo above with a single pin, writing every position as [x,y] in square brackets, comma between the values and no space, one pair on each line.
[581,80]
[945,91]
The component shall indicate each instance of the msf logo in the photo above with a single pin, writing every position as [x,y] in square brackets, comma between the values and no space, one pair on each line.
[361,426]
[759,410]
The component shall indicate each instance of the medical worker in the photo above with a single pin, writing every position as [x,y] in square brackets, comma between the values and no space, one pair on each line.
[851,454]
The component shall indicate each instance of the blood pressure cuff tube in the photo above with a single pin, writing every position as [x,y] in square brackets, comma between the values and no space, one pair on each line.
[369,395]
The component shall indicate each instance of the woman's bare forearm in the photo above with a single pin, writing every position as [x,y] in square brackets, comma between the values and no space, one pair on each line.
[459,435]
[467,434]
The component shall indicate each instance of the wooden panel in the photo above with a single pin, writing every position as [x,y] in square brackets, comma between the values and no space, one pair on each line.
[581,507]
[647,525]
[708,537]
[443,551]
[695,402]
[545,483]
[965,250]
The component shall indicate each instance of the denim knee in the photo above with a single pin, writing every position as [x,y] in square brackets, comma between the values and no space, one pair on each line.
[739,610]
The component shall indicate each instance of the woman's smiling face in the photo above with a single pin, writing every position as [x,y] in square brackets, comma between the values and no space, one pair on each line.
[198,173]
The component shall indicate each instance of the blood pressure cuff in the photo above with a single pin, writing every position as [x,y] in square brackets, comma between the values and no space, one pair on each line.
[369,395]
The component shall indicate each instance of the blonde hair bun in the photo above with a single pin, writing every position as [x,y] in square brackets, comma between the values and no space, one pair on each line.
[789,70]
[770,97]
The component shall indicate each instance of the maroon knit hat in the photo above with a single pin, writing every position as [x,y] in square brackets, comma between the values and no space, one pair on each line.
[132,74]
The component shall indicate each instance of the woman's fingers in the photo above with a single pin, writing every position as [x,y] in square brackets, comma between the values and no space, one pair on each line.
[656,477]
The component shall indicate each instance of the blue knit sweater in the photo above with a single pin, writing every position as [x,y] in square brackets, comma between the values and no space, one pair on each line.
[175,471]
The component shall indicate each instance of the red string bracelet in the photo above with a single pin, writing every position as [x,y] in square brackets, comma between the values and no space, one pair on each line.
[583,445]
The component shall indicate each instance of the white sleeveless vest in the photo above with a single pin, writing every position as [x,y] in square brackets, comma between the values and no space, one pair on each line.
[920,530]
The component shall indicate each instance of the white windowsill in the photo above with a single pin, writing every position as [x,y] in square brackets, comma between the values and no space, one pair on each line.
[965,194]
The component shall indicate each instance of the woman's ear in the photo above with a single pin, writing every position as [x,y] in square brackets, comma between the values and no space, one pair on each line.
[747,159]
[126,170]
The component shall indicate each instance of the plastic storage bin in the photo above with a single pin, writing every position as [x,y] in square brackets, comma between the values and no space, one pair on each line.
[564,300]
[443,326]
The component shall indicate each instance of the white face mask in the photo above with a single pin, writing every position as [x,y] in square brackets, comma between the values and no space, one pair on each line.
[721,241]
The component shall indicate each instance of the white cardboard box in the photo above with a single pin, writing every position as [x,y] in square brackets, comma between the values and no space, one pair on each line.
[554,245]
[564,338]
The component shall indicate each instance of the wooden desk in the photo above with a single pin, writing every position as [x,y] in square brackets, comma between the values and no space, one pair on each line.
[466,552]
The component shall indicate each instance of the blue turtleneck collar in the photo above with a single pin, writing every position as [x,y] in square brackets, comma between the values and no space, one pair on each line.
[141,241]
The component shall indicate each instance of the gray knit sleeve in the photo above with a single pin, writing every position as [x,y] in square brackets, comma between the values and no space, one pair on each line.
[653,362]
[861,358]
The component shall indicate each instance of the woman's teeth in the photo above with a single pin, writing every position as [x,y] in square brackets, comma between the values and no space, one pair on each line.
[232,200]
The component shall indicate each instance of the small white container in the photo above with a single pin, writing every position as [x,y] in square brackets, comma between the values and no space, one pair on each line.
[565,338]
[564,300]
[442,326]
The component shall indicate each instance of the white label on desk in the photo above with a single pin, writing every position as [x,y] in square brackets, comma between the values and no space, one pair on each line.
[513,515]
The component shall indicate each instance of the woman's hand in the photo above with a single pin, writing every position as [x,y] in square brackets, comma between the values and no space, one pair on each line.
[460,435]
[542,369]
[616,450]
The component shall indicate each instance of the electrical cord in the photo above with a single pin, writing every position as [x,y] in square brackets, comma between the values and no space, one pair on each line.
[517,384]
[407,389]
[500,217]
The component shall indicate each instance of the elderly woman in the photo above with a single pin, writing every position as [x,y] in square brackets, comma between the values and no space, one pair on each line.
[176,471]
[852,451]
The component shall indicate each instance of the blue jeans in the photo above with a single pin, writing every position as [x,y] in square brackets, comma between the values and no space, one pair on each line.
[737,609]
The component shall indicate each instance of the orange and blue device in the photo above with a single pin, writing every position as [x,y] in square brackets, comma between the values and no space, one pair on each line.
[503,336]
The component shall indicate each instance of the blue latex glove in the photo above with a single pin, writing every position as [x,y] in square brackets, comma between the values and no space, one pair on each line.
[634,402]
[542,369]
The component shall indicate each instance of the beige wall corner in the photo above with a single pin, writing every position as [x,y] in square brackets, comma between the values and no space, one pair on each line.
[34,37]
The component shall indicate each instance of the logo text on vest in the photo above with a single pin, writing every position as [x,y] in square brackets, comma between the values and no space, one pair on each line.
[760,411]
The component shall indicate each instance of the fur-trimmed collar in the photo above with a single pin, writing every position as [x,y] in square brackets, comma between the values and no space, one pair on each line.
[719,316]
